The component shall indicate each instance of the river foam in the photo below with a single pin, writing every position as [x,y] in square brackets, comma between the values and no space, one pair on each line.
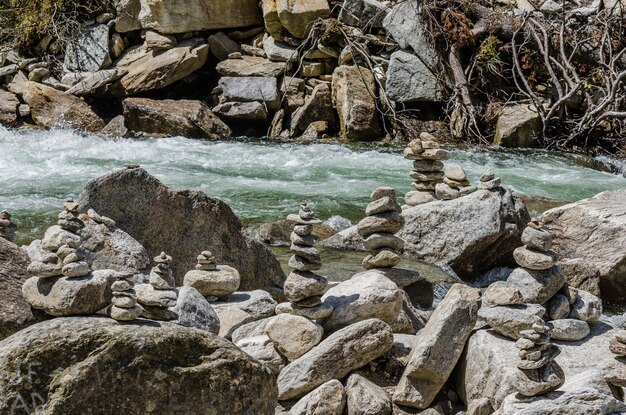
[261,181]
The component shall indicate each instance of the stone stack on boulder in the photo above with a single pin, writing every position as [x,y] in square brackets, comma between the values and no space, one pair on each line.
[489,181]
[303,287]
[617,344]
[159,295]
[215,282]
[538,372]
[7,228]
[383,220]
[455,183]
[124,305]
[428,169]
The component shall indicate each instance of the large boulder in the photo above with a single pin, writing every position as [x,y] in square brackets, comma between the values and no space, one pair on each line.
[148,69]
[51,108]
[518,126]
[182,223]
[366,295]
[142,367]
[438,347]
[471,234]
[89,50]
[335,357]
[183,117]
[488,368]
[15,312]
[174,16]
[592,232]
[413,78]
[354,96]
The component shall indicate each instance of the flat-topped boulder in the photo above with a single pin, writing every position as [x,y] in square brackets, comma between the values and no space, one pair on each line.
[170,17]
[590,239]
[142,366]
[174,220]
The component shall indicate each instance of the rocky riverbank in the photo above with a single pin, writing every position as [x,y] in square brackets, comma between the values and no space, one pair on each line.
[120,280]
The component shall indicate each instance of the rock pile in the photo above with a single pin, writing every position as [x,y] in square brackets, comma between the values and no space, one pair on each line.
[124,302]
[215,282]
[383,220]
[539,373]
[455,184]
[159,295]
[428,169]
[7,228]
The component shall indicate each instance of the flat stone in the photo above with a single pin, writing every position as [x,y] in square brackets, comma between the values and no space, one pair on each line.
[156,41]
[540,381]
[75,269]
[419,197]
[293,335]
[383,191]
[149,296]
[310,253]
[241,111]
[312,313]
[335,357]
[428,165]
[125,314]
[426,176]
[302,284]
[382,205]
[383,258]
[391,222]
[250,66]
[366,295]
[299,263]
[534,260]
[383,240]
[299,221]
[278,51]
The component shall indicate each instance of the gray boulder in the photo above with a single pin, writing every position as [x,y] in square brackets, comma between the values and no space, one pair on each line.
[173,221]
[142,366]
[250,66]
[327,399]
[365,397]
[568,329]
[193,310]
[366,295]
[471,234]
[510,320]
[592,232]
[15,312]
[335,357]
[438,347]
[414,78]
[366,14]
[89,51]
[249,89]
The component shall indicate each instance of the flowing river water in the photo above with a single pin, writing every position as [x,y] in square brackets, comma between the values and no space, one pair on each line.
[262,181]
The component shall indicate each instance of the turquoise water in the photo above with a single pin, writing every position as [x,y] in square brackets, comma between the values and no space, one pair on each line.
[260,181]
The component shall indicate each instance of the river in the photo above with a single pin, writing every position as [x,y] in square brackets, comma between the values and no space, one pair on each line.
[259,180]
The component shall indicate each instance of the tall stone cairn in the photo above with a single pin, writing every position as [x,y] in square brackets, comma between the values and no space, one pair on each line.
[124,302]
[428,168]
[303,287]
[538,372]
[383,220]
[7,228]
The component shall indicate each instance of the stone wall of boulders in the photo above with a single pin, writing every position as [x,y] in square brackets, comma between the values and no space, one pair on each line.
[209,69]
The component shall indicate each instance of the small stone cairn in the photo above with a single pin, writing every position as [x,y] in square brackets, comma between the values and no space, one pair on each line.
[157,297]
[69,219]
[215,282]
[617,344]
[7,228]
[489,181]
[536,254]
[455,183]
[383,220]
[124,302]
[428,168]
[303,287]
[539,373]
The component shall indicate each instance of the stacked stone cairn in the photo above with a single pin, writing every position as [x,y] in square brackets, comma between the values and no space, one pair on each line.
[455,184]
[215,282]
[617,344]
[428,168]
[489,181]
[303,287]
[157,297]
[7,228]
[69,218]
[539,373]
[383,220]
[124,305]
